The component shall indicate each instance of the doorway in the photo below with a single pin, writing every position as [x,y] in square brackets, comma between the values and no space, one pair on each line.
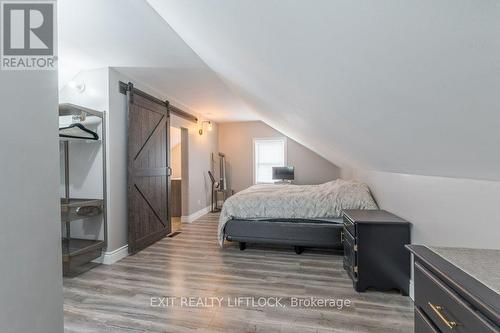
[177,176]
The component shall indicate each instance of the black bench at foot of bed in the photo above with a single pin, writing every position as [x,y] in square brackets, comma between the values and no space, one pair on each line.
[299,233]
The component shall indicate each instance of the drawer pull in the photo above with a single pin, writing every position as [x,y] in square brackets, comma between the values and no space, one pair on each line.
[437,310]
[348,222]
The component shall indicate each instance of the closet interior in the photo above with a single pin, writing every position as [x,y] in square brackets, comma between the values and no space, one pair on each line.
[83,187]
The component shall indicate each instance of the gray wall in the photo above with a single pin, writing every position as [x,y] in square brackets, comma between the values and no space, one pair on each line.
[444,211]
[236,141]
[30,239]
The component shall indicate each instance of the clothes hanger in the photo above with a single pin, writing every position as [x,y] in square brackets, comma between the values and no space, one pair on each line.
[77,131]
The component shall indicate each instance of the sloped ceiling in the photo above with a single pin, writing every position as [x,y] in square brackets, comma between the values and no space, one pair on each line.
[130,36]
[409,87]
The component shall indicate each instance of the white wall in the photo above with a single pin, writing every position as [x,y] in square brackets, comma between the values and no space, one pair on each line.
[30,239]
[444,211]
[236,141]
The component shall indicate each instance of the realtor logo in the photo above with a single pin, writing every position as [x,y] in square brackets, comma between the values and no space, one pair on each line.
[27,36]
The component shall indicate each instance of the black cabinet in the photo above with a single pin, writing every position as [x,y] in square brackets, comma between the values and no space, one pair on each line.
[447,299]
[374,250]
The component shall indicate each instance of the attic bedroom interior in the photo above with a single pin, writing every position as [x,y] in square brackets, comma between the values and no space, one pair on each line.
[250,166]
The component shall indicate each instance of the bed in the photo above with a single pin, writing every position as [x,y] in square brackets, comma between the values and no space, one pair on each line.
[295,215]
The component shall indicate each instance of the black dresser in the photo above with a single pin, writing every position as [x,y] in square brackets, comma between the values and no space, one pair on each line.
[374,250]
[448,298]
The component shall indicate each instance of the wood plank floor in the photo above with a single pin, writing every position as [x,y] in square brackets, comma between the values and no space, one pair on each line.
[117,298]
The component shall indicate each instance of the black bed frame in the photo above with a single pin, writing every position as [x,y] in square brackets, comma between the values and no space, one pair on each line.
[299,234]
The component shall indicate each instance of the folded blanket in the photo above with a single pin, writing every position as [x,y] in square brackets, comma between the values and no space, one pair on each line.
[295,201]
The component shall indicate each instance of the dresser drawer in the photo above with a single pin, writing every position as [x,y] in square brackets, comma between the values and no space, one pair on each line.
[350,262]
[423,324]
[349,224]
[444,308]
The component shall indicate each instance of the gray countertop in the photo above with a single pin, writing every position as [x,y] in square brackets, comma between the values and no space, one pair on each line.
[481,264]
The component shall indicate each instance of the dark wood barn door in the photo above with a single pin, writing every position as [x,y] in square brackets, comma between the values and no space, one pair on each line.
[148,170]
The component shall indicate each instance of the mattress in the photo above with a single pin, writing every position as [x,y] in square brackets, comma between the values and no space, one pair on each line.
[307,202]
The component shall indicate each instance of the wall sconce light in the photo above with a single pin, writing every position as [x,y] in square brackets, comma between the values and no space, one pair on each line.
[79,86]
[209,127]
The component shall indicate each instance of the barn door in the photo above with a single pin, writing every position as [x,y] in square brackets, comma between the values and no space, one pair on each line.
[148,170]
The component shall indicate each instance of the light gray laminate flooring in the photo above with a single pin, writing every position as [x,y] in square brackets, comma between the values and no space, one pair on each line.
[117,298]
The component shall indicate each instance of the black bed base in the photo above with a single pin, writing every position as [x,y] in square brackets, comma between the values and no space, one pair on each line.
[297,249]
[299,234]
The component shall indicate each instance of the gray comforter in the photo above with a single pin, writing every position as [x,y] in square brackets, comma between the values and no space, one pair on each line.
[295,201]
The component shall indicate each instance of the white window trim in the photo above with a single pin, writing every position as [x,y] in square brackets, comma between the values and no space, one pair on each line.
[284,138]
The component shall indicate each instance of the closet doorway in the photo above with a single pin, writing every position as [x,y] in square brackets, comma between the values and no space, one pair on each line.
[176,147]
[179,161]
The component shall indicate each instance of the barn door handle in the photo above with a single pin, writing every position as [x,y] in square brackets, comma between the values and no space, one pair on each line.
[169,171]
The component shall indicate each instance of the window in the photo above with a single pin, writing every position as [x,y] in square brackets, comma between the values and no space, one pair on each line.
[268,153]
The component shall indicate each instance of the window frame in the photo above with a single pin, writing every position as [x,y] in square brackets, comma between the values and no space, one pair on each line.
[254,161]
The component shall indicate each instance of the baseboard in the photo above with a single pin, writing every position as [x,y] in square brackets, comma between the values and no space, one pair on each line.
[195,215]
[412,291]
[109,258]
